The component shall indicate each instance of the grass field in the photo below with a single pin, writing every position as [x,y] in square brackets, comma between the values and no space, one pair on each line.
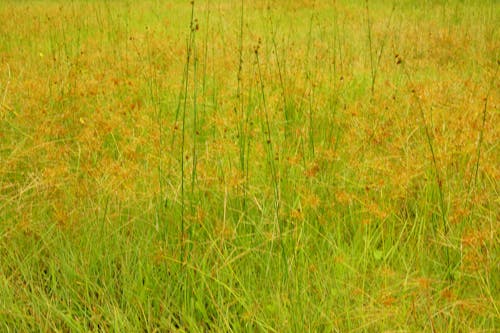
[274,166]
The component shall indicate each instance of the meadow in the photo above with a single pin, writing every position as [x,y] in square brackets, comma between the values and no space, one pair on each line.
[249,166]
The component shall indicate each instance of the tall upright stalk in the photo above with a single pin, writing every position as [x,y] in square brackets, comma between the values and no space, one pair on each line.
[205,58]
[437,174]
[281,70]
[195,115]
[272,165]
[239,108]
[473,182]
[311,85]
[374,64]
[189,47]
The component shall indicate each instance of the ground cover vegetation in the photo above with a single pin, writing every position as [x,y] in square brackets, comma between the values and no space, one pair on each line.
[249,166]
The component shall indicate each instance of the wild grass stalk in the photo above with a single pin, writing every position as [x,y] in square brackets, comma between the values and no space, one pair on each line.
[437,174]
[473,181]
[266,128]
[375,63]
[195,130]
[241,118]
[155,100]
[205,58]
[309,91]
[281,64]
[189,54]
[370,46]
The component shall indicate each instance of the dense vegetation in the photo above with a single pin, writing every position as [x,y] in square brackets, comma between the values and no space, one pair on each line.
[249,166]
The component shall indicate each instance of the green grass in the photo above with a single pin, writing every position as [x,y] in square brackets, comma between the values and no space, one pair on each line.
[249,166]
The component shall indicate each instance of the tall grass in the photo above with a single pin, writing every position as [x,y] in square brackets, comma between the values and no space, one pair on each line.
[249,166]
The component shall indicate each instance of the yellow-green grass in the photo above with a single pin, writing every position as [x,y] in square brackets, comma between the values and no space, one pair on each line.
[249,166]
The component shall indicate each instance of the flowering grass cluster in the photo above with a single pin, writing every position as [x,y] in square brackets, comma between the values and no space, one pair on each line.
[250,166]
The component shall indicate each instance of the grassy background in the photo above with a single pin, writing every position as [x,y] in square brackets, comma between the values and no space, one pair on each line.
[281,166]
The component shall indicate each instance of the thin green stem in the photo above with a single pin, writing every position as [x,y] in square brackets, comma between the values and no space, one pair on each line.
[272,165]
